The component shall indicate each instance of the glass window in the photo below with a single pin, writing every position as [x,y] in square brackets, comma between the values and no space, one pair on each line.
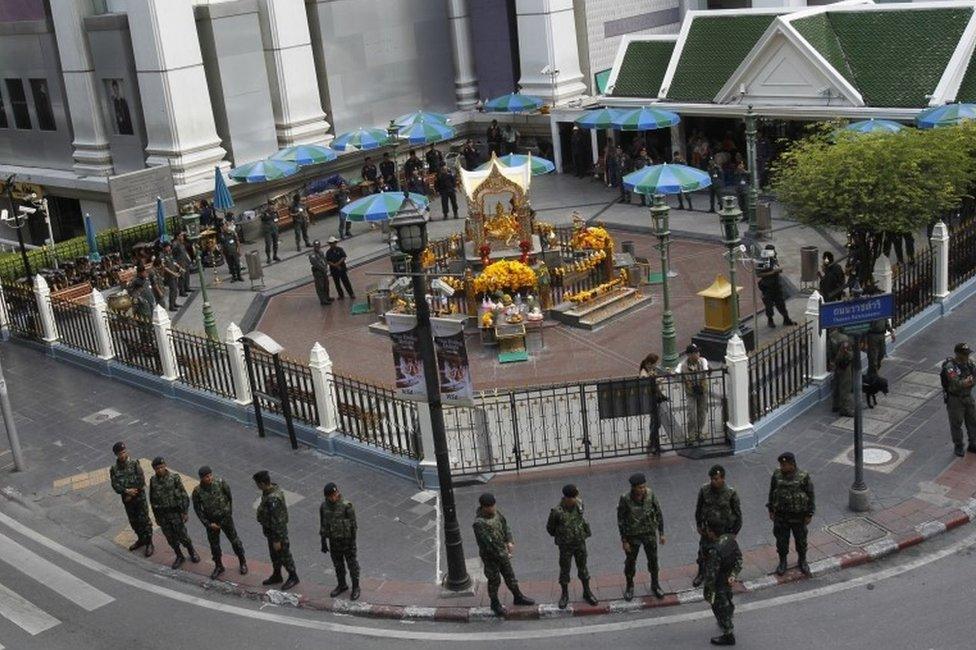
[3,114]
[42,105]
[18,103]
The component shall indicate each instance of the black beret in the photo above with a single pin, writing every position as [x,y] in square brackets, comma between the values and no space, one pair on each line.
[486,499]
[117,447]
[330,488]
[962,348]
[570,490]
[157,461]
[262,476]
[637,479]
[203,471]
[787,457]
[691,348]
[717,470]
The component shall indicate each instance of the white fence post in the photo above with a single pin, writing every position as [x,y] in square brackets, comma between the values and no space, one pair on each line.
[818,349]
[321,366]
[4,314]
[42,293]
[238,367]
[883,275]
[940,249]
[737,364]
[100,320]
[164,343]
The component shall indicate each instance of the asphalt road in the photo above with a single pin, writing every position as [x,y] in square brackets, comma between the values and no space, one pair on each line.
[57,591]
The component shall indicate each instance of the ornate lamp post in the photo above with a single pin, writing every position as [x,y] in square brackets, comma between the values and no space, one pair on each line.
[410,226]
[753,196]
[659,217]
[191,223]
[730,215]
[393,131]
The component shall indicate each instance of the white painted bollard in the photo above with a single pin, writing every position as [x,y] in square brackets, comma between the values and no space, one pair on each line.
[883,275]
[42,294]
[164,343]
[737,364]
[321,365]
[4,314]
[99,314]
[940,251]
[238,367]
[818,350]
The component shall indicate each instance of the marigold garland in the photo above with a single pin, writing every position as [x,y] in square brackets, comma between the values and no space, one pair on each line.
[592,237]
[505,274]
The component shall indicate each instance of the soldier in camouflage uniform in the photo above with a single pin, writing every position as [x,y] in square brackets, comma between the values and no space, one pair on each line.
[716,501]
[723,562]
[129,482]
[840,355]
[958,375]
[570,530]
[791,506]
[214,506]
[640,522]
[170,504]
[272,514]
[495,545]
[337,527]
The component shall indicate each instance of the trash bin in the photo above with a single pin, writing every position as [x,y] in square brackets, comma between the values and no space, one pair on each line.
[764,217]
[255,272]
[809,263]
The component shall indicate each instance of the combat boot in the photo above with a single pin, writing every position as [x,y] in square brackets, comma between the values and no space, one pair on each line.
[150,549]
[138,544]
[699,579]
[587,594]
[521,599]
[273,579]
[178,562]
[781,567]
[496,607]
[656,588]
[629,589]
[193,554]
[340,588]
[218,569]
[290,582]
[243,565]
[725,639]
[564,597]
[354,594]
[803,566]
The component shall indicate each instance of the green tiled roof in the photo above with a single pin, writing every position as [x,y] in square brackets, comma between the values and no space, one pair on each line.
[817,31]
[642,69]
[714,48]
[967,89]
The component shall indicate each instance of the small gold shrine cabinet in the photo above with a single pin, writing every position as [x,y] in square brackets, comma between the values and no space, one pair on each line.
[718,305]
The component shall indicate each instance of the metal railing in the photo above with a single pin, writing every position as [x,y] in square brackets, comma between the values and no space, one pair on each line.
[134,342]
[962,252]
[912,285]
[76,325]
[25,319]
[203,363]
[374,415]
[779,371]
[297,380]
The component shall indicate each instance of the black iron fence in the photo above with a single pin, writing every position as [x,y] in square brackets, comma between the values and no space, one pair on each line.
[564,423]
[779,371]
[962,252]
[25,320]
[76,325]
[912,285]
[134,342]
[374,415]
[203,363]
[297,378]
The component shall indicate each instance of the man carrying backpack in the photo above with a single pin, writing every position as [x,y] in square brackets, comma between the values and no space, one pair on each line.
[958,375]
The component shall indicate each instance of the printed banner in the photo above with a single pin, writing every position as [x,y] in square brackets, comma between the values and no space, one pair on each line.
[407,362]
[453,369]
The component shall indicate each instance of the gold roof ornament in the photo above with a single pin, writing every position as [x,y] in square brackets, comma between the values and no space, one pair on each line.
[720,288]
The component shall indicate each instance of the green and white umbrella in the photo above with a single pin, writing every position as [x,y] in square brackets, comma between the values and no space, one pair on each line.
[540,166]
[380,206]
[305,154]
[425,132]
[645,119]
[666,179]
[421,116]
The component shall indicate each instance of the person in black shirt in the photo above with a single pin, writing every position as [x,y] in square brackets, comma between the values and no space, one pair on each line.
[336,257]
[369,173]
[447,188]
[495,138]
[416,184]
[412,164]
[470,155]
[388,172]
[832,279]
[434,159]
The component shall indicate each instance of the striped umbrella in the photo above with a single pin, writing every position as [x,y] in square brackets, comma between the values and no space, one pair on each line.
[513,103]
[222,201]
[874,126]
[666,179]
[421,116]
[92,240]
[947,115]
[361,138]
[426,132]
[599,118]
[263,170]
[306,154]
[539,165]
[380,206]
[645,119]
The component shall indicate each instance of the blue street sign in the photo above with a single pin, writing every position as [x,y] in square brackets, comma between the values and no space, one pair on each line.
[856,311]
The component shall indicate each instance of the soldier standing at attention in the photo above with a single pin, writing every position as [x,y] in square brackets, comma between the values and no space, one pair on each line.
[214,506]
[640,521]
[723,562]
[273,516]
[840,355]
[337,526]
[170,504]
[299,221]
[231,249]
[129,482]
[716,502]
[320,272]
[269,228]
[958,375]
[496,545]
[695,380]
[791,506]
[570,530]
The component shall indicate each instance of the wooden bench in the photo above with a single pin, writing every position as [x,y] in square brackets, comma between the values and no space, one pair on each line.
[75,293]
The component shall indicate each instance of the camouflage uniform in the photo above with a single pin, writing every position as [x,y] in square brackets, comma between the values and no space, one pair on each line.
[273,516]
[721,505]
[338,531]
[129,475]
[639,523]
[170,503]
[791,501]
[840,354]
[876,344]
[959,400]
[214,505]
[722,559]
[570,530]
[493,535]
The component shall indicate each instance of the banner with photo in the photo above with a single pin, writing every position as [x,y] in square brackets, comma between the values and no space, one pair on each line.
[453,369]
[407,362]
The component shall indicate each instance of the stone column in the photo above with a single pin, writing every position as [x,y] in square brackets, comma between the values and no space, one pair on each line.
[321,365]
[940,251]
[100,321]
[465,77]
[295,98]
[42,294]
[883,276]
[91,148]
[818,350]
[238,367]
[179,120]
[164,343]
[547,39]
[739,427]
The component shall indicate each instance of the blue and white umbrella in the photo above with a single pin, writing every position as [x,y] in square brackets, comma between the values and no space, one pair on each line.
[513,103]
[361,138]
[875,126]
[306,154]
[426,132]
[539,167]
[599,118]
[161,220]
[380,206]
[666,179]
[947,115]
[647,118]
[264,170]
[92,239]
[222,201]
[425,117]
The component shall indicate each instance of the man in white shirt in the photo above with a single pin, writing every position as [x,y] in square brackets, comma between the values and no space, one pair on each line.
[695,380]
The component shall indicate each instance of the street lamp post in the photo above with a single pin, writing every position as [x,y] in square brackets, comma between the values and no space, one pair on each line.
[18,221]
[393,131]
[191,223]
[753,196]
[411,230]
[659,217]
[730,215]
